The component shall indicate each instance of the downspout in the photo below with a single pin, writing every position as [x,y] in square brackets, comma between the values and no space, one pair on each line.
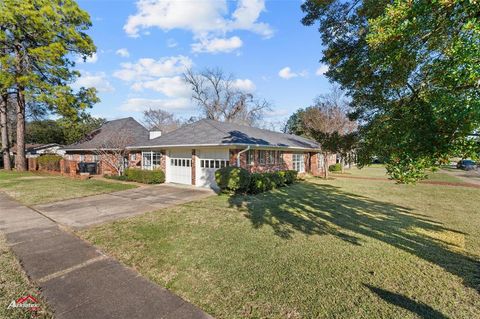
[238,155]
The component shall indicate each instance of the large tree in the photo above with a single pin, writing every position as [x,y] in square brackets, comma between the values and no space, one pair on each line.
[161,120]
[39,39]
[412,70]
[220,97]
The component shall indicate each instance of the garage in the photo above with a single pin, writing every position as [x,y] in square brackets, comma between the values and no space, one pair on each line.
[210,160]
[179,167]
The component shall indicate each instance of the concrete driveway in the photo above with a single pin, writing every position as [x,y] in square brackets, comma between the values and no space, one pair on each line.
[92,210]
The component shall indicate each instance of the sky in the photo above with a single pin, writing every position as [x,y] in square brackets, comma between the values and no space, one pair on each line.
[144,46]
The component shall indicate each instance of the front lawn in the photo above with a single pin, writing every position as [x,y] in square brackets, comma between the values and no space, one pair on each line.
[36,188]
[343,248]
[14,285]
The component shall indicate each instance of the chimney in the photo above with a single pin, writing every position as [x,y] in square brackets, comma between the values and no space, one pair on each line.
[155,134]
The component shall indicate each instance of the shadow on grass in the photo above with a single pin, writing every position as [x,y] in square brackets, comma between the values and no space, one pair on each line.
[422,310]
[315,209]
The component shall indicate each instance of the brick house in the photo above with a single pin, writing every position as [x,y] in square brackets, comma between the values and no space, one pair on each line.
[191,154]
[112,135]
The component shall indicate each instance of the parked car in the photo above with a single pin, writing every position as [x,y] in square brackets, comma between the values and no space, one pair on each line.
[466,165]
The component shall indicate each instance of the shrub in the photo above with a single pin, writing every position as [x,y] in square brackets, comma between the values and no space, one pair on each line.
[335,167]
[144,176]
[258,183]
[276,179]
[49,162]
[290,176]
[232,179]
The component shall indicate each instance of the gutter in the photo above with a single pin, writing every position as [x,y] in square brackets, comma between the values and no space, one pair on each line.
[238,155]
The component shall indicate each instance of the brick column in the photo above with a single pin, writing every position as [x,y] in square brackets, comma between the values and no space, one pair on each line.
[62,166]
[194,168]
[72,165]
[32,164]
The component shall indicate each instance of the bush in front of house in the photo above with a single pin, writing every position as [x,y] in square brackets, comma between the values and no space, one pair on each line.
[259,183]
[232,179]
[145,176]
[335,167]
[291,176]
[49,162]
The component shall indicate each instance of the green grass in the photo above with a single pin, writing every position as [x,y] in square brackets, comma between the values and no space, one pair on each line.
[379,171]
[342,248]
[34,188]
[14,284]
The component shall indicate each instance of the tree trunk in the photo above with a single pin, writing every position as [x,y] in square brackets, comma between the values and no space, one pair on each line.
[4,125]
[20,161]
[342,164]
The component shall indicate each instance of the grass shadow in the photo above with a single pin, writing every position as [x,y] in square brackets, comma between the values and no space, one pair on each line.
[315,209]
[420,309]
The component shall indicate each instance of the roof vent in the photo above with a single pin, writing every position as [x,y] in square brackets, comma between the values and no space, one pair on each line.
[155,134]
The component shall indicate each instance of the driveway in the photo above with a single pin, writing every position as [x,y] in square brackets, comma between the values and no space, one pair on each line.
[472,176]
[92,210]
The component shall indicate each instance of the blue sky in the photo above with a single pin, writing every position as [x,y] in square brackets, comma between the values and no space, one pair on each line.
[143,46]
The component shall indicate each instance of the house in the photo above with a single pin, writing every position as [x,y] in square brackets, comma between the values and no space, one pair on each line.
[191,154]
[112,135]
[35,150]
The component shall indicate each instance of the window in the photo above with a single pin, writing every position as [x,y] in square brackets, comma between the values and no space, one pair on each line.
[204,163]
[133,157]
[298,163]
[151,160]
[96,158]
[279,157]
[320,161]
[251,157]
[261,157]
[270,157]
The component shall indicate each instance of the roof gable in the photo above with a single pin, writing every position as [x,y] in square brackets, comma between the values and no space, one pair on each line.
[127,127]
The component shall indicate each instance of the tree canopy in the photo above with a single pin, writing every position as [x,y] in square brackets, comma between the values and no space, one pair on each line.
[412,71]
[39,41]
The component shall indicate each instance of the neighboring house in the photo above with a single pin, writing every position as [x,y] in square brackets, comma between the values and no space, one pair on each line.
[112,135]
[191,154]
[35,150]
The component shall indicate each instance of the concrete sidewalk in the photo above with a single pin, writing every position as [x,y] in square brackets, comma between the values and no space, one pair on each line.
[76,279]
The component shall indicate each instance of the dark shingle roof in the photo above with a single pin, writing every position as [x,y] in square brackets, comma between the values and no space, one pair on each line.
[108,134]
[210,132]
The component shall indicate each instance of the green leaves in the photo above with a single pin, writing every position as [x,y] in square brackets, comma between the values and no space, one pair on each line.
[412,69]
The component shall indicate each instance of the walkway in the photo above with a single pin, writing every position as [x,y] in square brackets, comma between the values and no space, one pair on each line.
[76,279]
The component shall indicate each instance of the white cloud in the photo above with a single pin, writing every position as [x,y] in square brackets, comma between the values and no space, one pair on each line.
[216,45]
[169,86]
[322,69]
[287,73]
[123,52]
[205,19]
[244,85]
[147,69]
[97,80]
[141,104]
[90,59]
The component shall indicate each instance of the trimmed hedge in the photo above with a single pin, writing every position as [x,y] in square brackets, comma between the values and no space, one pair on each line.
[49,162]
[238,180]
[232,179]
[145,176]
[335,167]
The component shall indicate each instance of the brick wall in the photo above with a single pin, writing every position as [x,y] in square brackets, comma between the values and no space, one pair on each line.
[310,158]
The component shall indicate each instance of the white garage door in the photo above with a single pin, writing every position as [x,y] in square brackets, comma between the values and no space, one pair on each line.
[179,167]
[209,160]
